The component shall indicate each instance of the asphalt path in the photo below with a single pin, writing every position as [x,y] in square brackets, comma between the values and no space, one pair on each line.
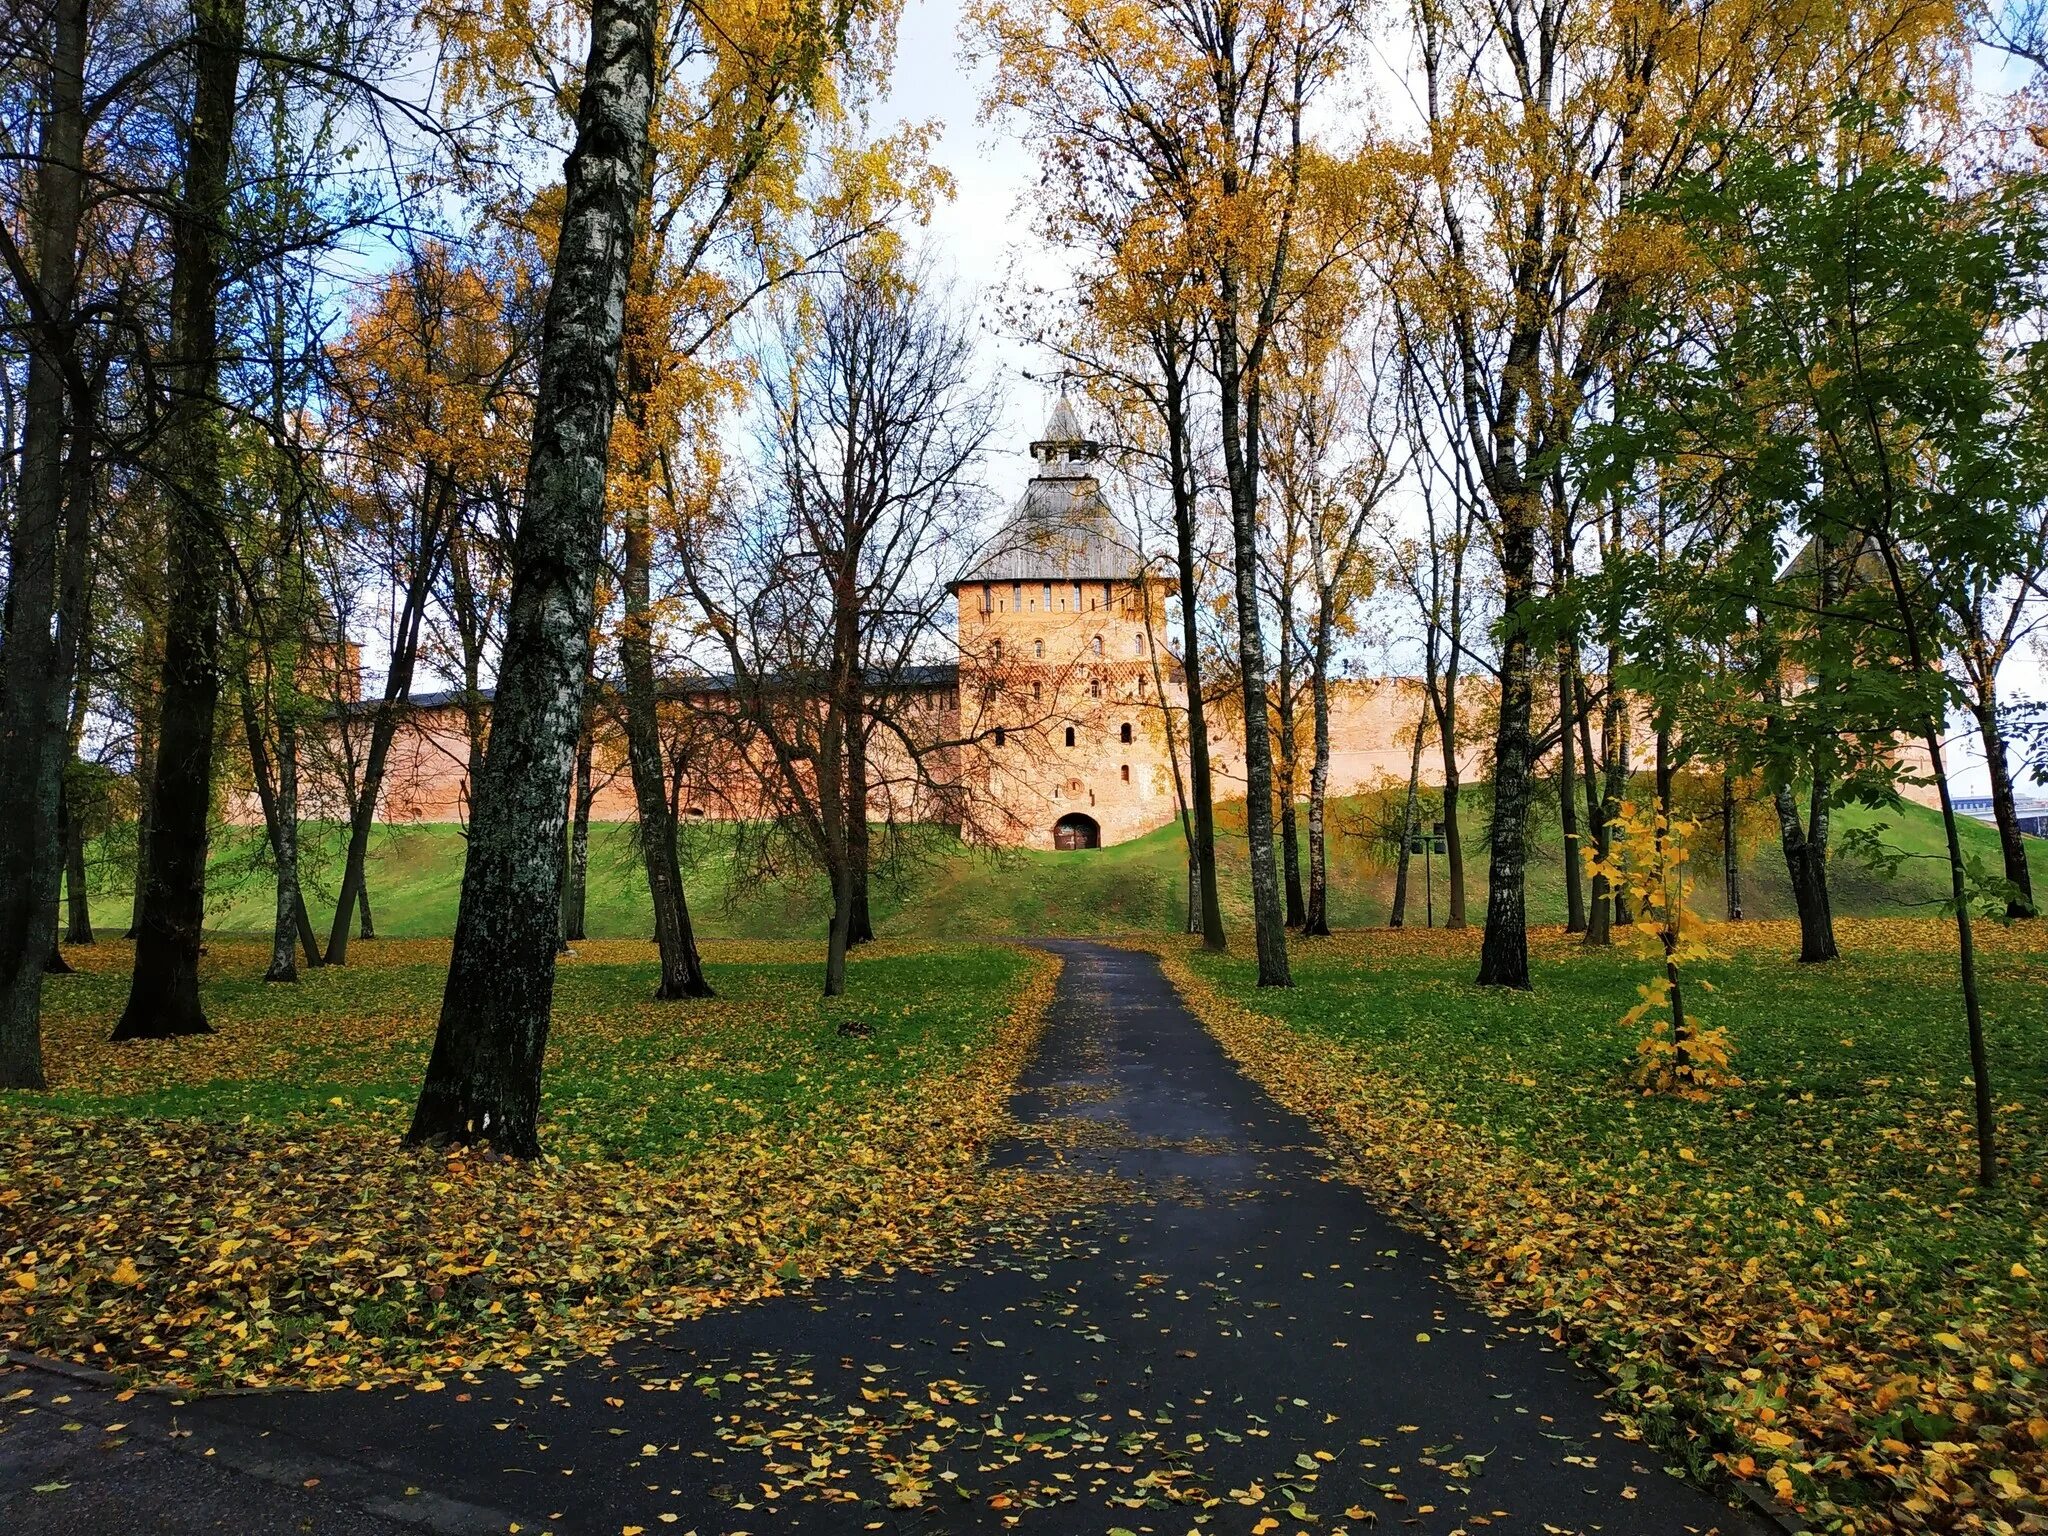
[1222,1338]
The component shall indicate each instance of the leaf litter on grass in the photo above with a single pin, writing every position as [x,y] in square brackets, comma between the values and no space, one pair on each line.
[1779,1281]
[304,1245]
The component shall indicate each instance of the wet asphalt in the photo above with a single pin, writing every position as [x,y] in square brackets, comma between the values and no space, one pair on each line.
[1220,1337]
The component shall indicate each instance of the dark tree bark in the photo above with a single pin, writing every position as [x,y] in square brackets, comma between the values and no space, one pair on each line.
[1731,863]
[34,665]
[147,714]
[860,927]
[163,996]
[2012,845]
[1806,861]
[1399,912]
[54,963]
[78,924]
[483,1079]
[1568,797]
[576,883]
[682,972]
[278,794]
[1240,410]
[1201,785]
[1504,951]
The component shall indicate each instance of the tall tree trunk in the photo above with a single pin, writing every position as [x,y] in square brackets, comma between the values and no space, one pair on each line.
[1731,863]
[2012,844]
[291,916]
[285,924]
[1568,796]
[1201,795]
[576,884]
[54,963]
[1808,872]
[682,972]
[405,650]
[1289,772]
[1268,916]
[33,663]
[148,712]
[860,928]
[1600,908]
[1504,951]
[483,1079]
[78,926]
[1399,914]
[1315,920]
[1454,836]
[163,995]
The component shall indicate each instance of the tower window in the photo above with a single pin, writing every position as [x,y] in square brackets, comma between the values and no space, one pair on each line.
[1098,645]
[1070,735]
[1138,646]
[996,651]
[1048,597]
[987,597]
[1016,597]
[1127,733]
[1035,692]
[1105,594]
[1038,649]
[1127,767]
[1077,597]
[1094,687]
[1001,736]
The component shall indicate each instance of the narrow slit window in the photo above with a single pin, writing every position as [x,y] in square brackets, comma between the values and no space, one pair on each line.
[1127,733]
[1070,735]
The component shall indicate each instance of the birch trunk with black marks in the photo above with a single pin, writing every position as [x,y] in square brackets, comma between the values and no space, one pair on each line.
[163,995]
[36,671]
[483,1079]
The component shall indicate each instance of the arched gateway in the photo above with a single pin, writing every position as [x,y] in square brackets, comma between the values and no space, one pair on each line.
[1076,831]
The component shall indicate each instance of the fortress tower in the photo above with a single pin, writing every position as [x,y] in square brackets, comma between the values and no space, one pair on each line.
[1059,681]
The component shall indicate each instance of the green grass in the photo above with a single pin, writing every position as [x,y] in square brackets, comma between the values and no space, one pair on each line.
[1822,1214]
[241,1207]
[626,1077]
[937,888]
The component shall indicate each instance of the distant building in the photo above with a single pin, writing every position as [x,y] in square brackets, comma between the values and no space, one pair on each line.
[1047,731]
[2032,809]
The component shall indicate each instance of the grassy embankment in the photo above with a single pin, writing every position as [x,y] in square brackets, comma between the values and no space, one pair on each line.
[939,889]
[237,1206]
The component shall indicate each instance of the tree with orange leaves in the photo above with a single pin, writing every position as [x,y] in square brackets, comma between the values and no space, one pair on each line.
[745,165]
[1186,124]
[1543,128]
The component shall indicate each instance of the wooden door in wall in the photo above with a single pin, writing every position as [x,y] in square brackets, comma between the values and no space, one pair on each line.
[1076,831]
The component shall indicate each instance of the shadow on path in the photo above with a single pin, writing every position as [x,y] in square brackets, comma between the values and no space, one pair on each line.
[1240,1340]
